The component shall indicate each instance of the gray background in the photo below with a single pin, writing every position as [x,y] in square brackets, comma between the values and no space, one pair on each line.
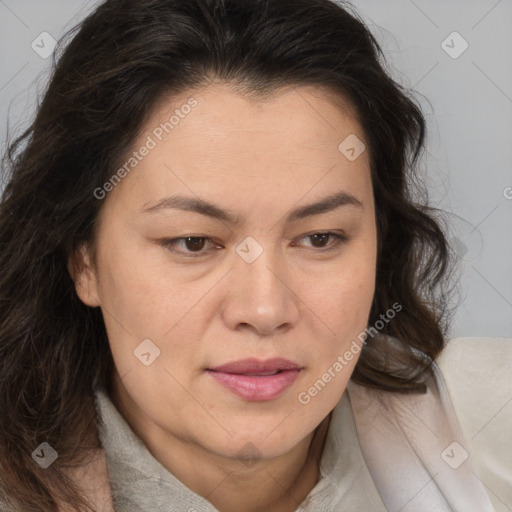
[466,97]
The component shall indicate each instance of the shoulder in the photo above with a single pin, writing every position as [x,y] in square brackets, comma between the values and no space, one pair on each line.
[478,375]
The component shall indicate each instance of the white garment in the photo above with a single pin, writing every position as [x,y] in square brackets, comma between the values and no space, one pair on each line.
[416,448]
[478,375]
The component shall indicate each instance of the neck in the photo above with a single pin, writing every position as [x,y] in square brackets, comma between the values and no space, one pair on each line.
[276,484]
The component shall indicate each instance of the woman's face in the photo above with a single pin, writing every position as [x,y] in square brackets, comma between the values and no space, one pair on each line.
[254,288]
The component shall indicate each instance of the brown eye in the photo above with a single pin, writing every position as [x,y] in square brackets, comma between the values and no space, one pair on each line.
[319,240]
[194,243]
[190,245]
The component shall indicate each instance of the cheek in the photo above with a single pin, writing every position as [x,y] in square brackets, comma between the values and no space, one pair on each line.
[343,298]
[344,312]
[142,301]
[132,287]
[340,310]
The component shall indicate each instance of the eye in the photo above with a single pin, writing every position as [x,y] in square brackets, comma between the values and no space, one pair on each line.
[319,239]
[194,246]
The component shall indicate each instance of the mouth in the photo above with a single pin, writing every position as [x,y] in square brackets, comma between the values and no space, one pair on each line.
[255,380]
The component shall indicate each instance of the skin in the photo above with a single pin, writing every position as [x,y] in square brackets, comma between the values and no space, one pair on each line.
[258,159]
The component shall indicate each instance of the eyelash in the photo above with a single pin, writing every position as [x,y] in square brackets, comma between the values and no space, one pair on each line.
[169,243]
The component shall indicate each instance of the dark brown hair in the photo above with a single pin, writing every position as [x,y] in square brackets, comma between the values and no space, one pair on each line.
[118,62]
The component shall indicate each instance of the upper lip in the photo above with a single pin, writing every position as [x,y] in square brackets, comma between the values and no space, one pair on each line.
[256,366]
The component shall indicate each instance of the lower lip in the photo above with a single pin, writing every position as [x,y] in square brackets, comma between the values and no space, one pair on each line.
[254,388]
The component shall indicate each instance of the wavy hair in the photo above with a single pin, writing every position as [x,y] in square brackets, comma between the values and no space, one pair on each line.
[108,73]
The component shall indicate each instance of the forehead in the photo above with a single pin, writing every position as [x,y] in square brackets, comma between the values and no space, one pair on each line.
[213,140]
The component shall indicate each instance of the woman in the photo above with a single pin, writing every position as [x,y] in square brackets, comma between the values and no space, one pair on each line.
[209,236]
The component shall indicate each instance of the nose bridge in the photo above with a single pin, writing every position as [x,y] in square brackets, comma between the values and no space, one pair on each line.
[260,295]
[258,268]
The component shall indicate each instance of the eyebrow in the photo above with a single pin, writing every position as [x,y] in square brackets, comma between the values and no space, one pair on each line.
[203,207]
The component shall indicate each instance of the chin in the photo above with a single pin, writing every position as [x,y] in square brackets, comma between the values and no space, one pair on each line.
[248,444]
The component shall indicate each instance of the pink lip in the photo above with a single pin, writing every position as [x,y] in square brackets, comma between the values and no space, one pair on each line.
[245,380]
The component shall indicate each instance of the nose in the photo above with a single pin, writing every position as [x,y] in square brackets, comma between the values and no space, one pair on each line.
[260,296]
